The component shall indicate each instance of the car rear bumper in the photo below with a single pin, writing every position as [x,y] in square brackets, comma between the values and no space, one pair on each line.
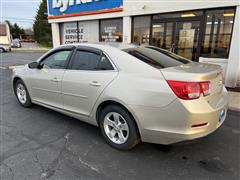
[175,122]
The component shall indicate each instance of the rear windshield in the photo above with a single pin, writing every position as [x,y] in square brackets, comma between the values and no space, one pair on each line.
[157,57]
[3,30]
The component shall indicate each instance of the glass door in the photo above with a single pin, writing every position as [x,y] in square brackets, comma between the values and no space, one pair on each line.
[162,35]
[179,37]
[186,39]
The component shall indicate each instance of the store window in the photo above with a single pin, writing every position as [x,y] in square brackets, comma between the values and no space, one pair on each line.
[111,30]
[141,30]
[88,31]
[82,31]
[218,33]
[69,33]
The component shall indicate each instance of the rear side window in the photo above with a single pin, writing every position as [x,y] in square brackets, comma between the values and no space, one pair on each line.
[156,58]
[91,61]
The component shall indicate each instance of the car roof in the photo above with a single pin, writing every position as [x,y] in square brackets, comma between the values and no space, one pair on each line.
[122,60]
[103,45]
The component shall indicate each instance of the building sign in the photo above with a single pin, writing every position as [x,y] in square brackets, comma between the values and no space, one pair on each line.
[186,36]
[68,8]
[111,30]
[70,33]
[110,34]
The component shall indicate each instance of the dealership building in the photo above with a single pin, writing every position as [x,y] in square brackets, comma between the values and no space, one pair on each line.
[200,30]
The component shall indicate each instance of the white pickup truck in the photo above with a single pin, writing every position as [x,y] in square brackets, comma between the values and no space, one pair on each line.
[5,37]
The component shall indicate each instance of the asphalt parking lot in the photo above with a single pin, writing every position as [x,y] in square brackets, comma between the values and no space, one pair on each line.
[38,143]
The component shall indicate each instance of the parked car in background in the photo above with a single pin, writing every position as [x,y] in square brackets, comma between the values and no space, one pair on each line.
[132,93]
[16,43]
[5,37]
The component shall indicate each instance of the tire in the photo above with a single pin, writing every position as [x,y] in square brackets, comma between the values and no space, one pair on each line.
[22,94]
[123,136]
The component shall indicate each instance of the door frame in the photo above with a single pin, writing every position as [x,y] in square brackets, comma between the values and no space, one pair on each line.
[180,19]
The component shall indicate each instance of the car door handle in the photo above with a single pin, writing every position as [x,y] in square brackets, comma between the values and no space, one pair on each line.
[95,84]
[55,79]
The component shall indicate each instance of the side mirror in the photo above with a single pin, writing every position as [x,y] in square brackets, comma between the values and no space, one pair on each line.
[33,65]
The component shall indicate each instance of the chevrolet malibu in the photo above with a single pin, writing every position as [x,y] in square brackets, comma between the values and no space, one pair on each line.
[132,93]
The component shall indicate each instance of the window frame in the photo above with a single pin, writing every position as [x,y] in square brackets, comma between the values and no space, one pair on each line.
[91,50]
[70,48]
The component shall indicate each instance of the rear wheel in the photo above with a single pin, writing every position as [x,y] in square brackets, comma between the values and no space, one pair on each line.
[118,127]
[22,94]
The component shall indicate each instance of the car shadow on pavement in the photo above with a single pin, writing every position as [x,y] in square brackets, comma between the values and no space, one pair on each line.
[64,147]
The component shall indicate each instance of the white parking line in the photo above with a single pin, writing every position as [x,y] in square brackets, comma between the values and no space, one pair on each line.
[1,67]
[13,67]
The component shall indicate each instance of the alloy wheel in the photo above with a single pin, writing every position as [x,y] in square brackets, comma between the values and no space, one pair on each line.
[116,128]
[21,93]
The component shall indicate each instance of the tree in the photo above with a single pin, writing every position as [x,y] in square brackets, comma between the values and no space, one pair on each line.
[10,25]
[15,30]
[41,27]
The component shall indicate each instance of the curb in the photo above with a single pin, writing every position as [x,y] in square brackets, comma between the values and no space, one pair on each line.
[232,108]
[234,101]
[24,50]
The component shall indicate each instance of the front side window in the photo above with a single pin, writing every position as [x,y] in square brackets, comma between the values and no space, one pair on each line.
[57,60]
[111,30]
[218,33]
[86,60]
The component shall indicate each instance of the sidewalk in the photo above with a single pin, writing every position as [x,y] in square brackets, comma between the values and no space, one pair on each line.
[234,101]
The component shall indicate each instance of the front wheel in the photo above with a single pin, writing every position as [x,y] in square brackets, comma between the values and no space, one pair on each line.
[118,127]
[22,94]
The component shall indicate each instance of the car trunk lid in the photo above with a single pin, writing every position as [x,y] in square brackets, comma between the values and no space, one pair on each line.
[197,72]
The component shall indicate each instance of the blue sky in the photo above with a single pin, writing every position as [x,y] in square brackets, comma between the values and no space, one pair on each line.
[20,11]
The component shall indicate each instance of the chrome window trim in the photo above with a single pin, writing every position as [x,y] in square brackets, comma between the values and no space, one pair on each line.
[111,61]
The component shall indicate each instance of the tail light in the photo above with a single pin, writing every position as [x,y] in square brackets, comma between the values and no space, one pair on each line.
[189,90]
[205,87]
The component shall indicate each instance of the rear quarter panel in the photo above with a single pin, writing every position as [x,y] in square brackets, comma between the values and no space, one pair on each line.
[140,90]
